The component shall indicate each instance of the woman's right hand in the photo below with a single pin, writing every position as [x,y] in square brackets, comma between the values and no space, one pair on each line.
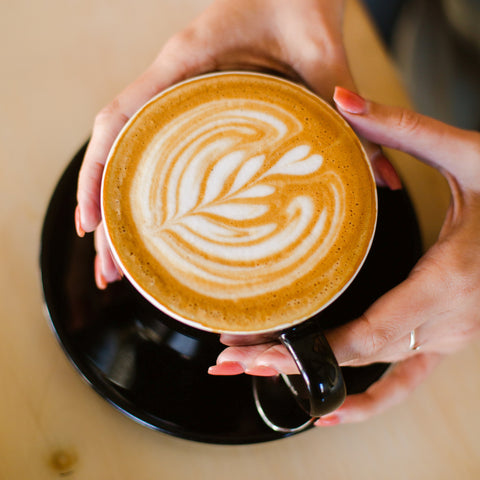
[301,40]
[435,310]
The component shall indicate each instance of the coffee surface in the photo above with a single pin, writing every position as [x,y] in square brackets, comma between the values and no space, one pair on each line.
[240,202]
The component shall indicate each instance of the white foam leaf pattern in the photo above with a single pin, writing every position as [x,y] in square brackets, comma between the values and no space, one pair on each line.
[237,211]
[220,173]
[207,188]
[297,162]
[247,172]
[256,191]
[188,180]
[217,232]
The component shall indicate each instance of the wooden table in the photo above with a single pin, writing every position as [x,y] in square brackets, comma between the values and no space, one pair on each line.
[61,62]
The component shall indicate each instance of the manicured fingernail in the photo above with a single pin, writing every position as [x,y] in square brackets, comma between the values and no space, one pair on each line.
[261,371]
[349,101]
[78,223]
[99,278]
[226,368]
[328,420]
[100,281]
[388,173]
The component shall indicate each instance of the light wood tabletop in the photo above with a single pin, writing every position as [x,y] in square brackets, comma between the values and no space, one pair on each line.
[63,61]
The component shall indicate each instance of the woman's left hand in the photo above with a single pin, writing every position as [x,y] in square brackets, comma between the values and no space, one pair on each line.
[440,300]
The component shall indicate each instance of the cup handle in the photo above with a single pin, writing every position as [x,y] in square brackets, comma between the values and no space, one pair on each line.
[320,388]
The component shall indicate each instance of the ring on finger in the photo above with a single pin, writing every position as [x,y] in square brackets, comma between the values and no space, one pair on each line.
[414,346]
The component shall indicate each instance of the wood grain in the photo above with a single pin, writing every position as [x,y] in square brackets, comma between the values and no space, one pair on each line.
[61,63]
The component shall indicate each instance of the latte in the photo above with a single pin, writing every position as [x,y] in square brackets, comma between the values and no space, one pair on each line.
[239,202]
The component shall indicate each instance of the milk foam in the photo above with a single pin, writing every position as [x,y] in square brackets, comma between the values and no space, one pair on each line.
[240,207]
[217,216]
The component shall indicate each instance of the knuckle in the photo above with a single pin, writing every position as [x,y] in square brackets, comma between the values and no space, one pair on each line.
[110,112]
[313,50]
[368,340]
[189,51]
[101,118]
[182,42]
[408,121]
[106,112]
[317,53]
[110,115]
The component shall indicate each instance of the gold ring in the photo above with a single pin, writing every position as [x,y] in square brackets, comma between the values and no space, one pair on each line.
[413,342]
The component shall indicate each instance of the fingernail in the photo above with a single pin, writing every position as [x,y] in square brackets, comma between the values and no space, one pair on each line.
[78,223]
[100,281]
[99,278]
[388,173]
[328,420]
[261,371]
[226,368]
[349,101]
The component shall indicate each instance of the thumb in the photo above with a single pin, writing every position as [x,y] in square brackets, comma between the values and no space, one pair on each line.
[442,146]
[382,333]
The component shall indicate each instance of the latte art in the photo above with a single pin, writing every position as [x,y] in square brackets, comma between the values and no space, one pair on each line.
[229,205]
[219,203]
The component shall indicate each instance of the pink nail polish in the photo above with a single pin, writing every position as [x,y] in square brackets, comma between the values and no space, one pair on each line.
[99,278]
[101,282]
[78,223]
[349,101]
[226,368]
[388,173]
[328,421]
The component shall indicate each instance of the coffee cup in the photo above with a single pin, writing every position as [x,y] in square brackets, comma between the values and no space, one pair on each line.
[240,203]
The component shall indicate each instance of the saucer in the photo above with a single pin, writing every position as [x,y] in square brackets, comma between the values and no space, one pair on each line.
[151,367]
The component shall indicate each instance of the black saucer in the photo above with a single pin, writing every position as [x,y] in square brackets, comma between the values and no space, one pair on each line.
[152,368]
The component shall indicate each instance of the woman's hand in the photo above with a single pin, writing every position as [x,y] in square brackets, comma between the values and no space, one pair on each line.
[439,301]
[299,39]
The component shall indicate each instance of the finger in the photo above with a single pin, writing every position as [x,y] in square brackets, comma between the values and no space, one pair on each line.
[176,62]
[106,270]
[438,144]
[396,351]
[78,224]
[226,368]
[383,170]
[269,358]
[393,388]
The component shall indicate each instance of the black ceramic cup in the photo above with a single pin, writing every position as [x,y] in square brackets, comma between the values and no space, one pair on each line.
[320,388]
